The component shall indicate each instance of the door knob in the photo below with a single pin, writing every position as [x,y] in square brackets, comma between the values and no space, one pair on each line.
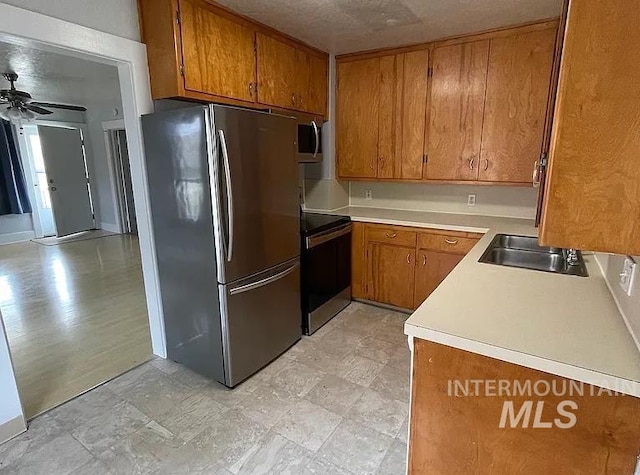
[53,188]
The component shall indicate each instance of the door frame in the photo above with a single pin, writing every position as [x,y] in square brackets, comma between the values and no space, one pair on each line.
[107,127]
[24,27]
[27,165]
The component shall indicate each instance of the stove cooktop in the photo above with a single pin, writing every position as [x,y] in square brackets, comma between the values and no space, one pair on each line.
[314,223]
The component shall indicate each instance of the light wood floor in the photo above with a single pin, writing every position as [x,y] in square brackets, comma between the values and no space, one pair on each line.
[75,316]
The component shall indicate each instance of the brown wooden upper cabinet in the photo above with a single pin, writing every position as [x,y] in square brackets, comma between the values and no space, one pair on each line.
[592,198]
[518,83]
[217,51]
[479,118]
[357,115]
[458,89]
[289,77]
[381,105]
[200,50]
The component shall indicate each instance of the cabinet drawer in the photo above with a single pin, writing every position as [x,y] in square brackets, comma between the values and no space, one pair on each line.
[446,243]
[391,235]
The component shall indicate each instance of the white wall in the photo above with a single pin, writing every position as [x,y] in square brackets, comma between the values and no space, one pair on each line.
[629,305]
[101,100]
[118,17]
[10,407]
[515,202]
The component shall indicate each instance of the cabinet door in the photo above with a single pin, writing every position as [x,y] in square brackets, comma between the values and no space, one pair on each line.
[431,269]
[283,73]
[387,126]
[217,52]
[412,113]
[516,105]
[318,85]
[391,274]
[593,189]
[456,111]
[358,97]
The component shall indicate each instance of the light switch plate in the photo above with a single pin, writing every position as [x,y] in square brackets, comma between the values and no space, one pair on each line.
[627,275]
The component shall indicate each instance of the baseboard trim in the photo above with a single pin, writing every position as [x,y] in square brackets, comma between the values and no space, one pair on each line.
[12,428]
[112,228]
[12,238]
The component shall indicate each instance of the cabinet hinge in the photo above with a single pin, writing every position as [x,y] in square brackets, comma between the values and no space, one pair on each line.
[178,17]
[255,45]
[429,72]
[544,157]
[425,158]
[182,70]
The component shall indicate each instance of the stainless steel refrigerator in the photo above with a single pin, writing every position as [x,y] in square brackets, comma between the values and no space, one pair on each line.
[223,185]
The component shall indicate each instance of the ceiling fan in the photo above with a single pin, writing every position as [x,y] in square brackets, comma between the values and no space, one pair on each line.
[21,105]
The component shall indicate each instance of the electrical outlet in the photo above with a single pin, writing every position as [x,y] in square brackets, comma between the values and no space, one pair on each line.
[368,195]
[627,275]
[471,200]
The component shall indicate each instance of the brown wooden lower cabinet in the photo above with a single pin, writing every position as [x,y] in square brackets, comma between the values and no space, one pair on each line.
[562,433]
[390,274]
[431,269]
[400,265]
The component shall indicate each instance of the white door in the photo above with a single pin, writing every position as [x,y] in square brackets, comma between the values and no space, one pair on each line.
[64,162]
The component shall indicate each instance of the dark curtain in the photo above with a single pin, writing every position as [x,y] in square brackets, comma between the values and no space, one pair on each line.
[13,191]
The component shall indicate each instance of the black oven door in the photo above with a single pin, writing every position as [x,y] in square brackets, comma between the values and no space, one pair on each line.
[326,277]
[309,142]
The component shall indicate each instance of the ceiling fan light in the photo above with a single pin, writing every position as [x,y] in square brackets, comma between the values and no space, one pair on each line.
[27,115]
[5,114]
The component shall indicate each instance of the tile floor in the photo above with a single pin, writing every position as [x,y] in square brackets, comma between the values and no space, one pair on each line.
[336,403]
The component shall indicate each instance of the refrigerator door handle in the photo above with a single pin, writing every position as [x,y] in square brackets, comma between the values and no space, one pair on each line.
[263,282]
[227,181]
[317,134]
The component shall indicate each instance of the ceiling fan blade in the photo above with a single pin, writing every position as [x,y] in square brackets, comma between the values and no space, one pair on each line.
[37,109]
[59,106]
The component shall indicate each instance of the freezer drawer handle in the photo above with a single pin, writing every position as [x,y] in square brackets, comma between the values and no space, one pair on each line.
[227,174]
[263,282]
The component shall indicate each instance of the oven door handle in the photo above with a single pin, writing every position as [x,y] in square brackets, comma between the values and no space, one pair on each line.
[313,241]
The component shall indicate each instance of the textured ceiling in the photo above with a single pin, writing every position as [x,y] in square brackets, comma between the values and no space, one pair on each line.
[343,26]
[52,77]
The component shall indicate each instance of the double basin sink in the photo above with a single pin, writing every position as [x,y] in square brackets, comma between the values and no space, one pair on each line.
[524,252]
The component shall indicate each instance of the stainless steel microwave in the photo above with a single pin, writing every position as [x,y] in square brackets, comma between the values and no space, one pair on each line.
[309,142]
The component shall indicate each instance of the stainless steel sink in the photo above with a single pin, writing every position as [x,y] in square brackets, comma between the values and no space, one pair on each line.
[524,252]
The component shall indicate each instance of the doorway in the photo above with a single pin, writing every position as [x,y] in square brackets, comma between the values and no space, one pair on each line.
[36,176]
[58,177]
[122,185]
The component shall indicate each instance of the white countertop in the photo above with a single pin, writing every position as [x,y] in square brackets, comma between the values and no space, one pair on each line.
[564,325]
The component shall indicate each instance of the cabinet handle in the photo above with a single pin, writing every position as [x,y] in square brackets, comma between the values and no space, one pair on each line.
[293,99]
[391,235]
[371,165]
[471,161]
[251,89]
[536,175]
[486,164]
[424,259]
[408,258]
[451,242]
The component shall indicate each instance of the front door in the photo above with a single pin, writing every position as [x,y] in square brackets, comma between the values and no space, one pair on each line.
[64,160]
